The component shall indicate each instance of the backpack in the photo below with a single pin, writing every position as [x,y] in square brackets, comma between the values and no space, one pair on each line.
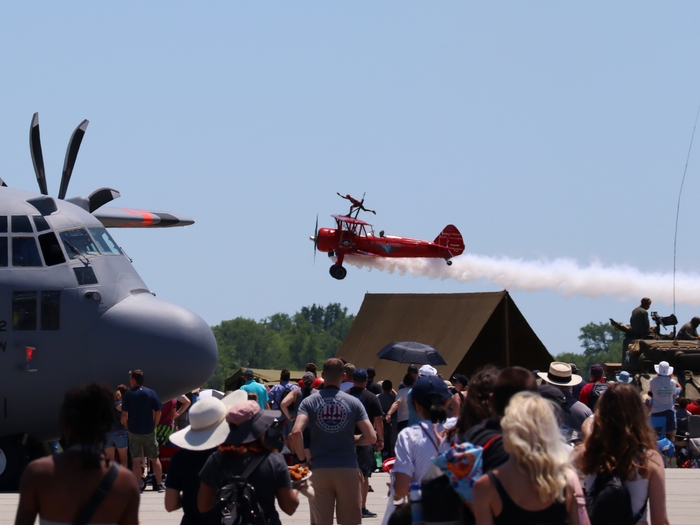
[597,391]
[237,502]
[609,501]
[286,390]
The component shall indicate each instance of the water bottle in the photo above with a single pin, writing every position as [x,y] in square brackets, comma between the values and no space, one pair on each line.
[416,504]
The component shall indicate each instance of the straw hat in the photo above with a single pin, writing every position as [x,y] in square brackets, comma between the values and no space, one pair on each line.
[208,427]
[560,374]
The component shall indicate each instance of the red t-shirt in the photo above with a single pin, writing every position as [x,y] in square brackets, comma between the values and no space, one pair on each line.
[167,415]
[317,382]
[583,396]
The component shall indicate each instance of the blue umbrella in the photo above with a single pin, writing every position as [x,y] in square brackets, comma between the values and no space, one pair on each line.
[411,352]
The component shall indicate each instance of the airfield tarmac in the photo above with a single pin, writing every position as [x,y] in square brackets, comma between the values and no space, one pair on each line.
[682,500]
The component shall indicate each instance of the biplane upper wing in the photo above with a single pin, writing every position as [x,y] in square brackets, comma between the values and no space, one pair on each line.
[133,218]
[350,220]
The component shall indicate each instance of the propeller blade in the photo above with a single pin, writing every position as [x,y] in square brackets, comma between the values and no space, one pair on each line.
[71,155]
[37,156]
[315,238]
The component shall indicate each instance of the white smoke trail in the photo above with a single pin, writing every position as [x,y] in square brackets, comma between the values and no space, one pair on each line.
[562,275]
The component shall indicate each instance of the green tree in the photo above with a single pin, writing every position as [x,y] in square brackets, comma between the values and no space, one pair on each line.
[599,338]
[280,341]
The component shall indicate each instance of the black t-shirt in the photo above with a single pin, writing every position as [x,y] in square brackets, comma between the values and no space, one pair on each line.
[271,474]
[369,401]
[183,476]
[480,434]
[386,399]
[374,387]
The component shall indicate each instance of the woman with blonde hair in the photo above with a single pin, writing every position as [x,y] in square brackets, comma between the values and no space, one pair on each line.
[621,442]
[537,484]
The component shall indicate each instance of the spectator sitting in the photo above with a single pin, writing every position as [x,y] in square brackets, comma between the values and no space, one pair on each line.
[622,442]
[694,407]
[689,331]
[536,484]
[253,387]
[58,487]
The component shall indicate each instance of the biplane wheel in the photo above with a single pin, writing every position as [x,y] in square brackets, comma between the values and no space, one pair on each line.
[338,272]
[449,263]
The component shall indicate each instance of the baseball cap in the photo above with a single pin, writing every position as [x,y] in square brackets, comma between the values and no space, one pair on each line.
[426,387]
[360,374]
[597,370]
[308,377]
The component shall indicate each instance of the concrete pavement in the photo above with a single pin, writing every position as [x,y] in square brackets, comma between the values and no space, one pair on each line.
[682,500]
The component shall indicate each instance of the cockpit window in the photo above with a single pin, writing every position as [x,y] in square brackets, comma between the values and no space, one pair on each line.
[3,251]
[21,224]
[25,252]
[78,243]
[40,223]
[51,249]
[104,241]
[3,223]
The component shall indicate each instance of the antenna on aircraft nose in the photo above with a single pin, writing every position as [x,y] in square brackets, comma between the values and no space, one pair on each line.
[71,155]
[37,157]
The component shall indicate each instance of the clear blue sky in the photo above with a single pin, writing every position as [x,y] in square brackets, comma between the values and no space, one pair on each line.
[542,130]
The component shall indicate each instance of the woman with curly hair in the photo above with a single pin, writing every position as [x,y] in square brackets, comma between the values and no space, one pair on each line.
[537,484]
[621,442]
[63,488]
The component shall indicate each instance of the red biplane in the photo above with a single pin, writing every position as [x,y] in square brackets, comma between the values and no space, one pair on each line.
[353,236]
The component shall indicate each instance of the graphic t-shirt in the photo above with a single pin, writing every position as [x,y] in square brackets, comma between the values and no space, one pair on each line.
[332,418]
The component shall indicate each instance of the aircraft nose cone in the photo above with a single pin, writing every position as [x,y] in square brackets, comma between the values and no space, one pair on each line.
[174,347]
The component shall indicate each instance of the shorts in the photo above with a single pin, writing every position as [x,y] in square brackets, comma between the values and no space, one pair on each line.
[365,459]
[143,444]
[670,416]
[118,439]
[339,489]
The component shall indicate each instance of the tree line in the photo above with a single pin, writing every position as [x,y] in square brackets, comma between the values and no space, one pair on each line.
[312,334]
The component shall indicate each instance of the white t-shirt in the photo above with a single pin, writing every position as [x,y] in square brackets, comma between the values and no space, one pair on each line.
[402,398]
[663,389]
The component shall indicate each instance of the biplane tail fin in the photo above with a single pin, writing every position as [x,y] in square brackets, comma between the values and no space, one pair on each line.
[451,240]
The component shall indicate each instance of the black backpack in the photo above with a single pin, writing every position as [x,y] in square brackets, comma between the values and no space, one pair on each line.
[609,502]
[237,503]
[595,393]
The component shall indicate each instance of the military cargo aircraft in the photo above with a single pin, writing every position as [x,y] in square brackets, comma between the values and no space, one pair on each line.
[74,310]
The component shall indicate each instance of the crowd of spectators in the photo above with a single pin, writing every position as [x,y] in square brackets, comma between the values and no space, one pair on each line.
[546,438]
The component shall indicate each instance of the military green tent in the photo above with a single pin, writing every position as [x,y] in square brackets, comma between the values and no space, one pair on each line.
[469,330]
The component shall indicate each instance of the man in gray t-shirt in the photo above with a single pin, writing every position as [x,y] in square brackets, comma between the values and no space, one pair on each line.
[332,416]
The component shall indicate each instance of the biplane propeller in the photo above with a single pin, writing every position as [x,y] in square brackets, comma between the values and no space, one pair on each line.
[353,236]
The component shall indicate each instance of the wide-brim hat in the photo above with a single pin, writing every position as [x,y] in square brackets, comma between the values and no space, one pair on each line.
[560,374]
[247,422]
[208,427]
[624,377]
[663,369]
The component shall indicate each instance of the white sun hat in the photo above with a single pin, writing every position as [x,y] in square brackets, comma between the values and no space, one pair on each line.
[208,427]
[663,369]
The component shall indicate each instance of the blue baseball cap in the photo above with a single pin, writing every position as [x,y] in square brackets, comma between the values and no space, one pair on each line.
[426,387]
[360,374]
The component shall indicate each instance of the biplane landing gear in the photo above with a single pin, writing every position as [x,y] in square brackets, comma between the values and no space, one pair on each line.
[338,272]
[449,263]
